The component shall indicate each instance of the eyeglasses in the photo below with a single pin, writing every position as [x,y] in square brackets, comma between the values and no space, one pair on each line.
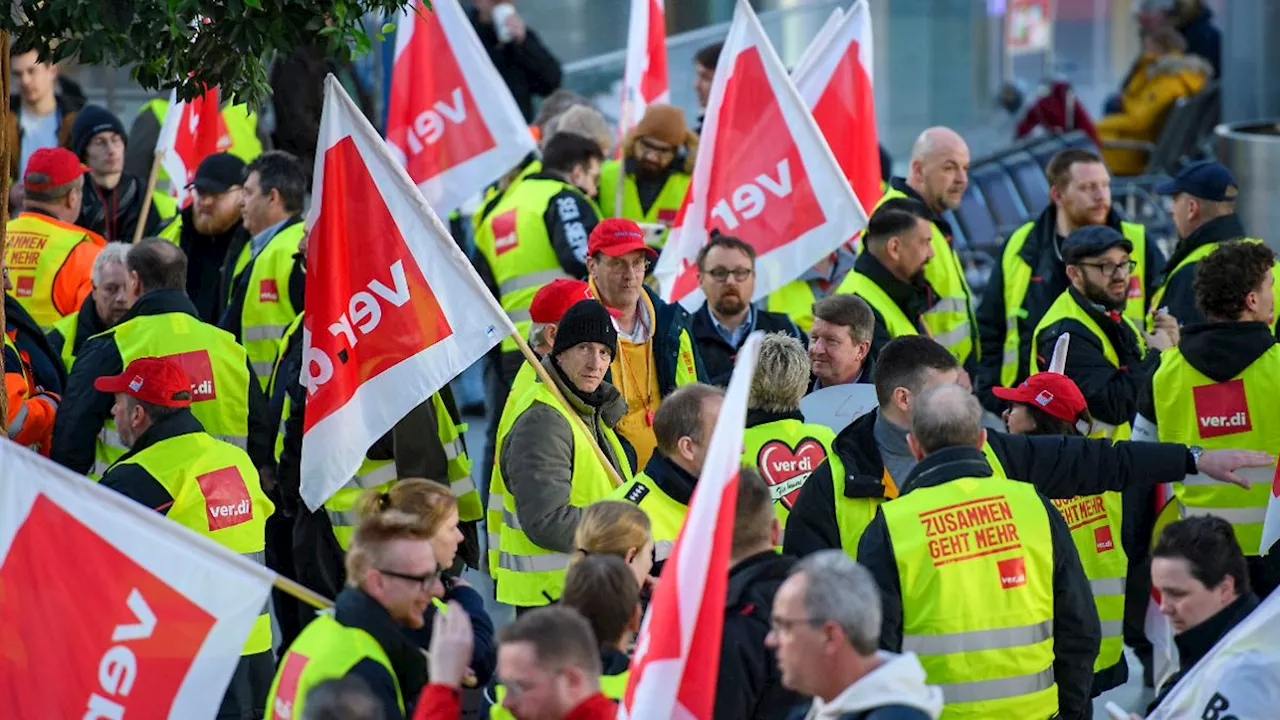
[426,581]
[1112,268]
[785,625]
[722,274]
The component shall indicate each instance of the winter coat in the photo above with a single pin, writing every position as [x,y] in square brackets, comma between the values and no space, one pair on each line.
[717,355]
[527,67]
[1058,110]
[114,213]
[1145,106]
[749,686]
[65,106]
[895,690]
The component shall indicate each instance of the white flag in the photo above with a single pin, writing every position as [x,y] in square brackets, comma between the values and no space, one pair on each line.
[192,131]
[818,45]
[644,78]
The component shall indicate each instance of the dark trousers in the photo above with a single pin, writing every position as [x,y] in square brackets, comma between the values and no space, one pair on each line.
[279,555]
[246,696]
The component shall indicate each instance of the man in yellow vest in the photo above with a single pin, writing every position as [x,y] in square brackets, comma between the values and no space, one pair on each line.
[266,287]
[963,535]
[549,469]
[207,229]
[938,177]
[656,352]
[890,272]
[393,577]
[1031,274]
[161,322]
[840,346]
[102,310]
[1109,357]
[655,172]
[50,259]
[208,486]
[1218,389]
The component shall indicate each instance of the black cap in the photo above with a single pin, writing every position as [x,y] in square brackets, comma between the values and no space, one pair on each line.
[90,121]
[1092,241]
[1206,180]
[586,321]
[218,172]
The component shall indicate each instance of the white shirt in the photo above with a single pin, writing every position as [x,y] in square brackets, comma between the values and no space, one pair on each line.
[38,131]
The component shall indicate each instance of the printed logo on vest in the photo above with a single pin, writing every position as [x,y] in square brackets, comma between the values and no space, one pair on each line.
[287,690]
[1222,409]
[1081,510]
[26,286]
[505,237]
[785,469]
[1013,572]
[199,369]
[268,291]
[226,499]
[636,493]
[667,216]
[1135,286]
[1102,541]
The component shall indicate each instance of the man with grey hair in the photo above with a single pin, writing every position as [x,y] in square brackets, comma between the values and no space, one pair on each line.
[826,628]
[980,576]
[840,346]
[777,441]
[105,306]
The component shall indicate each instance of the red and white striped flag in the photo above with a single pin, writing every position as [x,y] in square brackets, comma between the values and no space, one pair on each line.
[644,77]
[451,121]
[109,610]
[192,131]
[673,673]
[394,309]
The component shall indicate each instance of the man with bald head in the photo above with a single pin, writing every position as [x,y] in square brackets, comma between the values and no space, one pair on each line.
[961,534]
[938,176]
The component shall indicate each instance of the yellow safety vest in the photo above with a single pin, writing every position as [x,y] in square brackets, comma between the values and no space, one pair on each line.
[530,575]
[1196,256]
[975,564]
[664,209]
[493,191]
[242,126]
[67,327]
[795,300]
[325,649]
[666,514]
[216,493]
[1095,524]
[611,686]
[165,204]
[1017,280]
[213,360]
[515,243]
[950,321]
[786,452]
[1066,308]
[173,231]
[267,309]
[37,246]
[896,322]
[518,400]
[1238,414]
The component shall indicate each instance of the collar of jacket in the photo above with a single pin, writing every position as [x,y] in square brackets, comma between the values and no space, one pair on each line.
[1220,229]
[912,299]
[1100,315]
[46,365]
[858,452]
[1222,350]
[62,105]
[159,302]
[1194,642]
[593,708]
[670,478]
[704,328]
[355,609]
[900,184]
[945,465]
[606,400]
[762,567]
[763,417]
[613,661]
[179,423]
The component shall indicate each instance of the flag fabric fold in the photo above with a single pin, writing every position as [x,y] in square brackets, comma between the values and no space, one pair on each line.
[191,132]
[644,77]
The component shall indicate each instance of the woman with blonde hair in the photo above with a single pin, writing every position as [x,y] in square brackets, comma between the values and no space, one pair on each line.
[615,527]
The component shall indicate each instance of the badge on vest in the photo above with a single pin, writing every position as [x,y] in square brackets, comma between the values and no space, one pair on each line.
[199,369]
[785,469]
[667,217]
[268,291]
[1102,539]
[287,690]
[505,237]
[1221,409]
[226,499]
[26,286]
[636,493]
[1135,286]
[1013,572]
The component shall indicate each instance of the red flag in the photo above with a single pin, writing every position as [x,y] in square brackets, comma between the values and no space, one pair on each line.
[764,173]
[673,673]
[451,121]
[191,132]
[394,309]
[644,80]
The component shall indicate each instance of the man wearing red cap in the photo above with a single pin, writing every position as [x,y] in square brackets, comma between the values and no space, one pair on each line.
[208,486]
[50,259]
[656,353]
[655,172]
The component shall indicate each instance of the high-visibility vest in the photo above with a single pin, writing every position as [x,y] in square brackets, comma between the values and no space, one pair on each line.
[975,564]
[1095,524]
[67,327]
[664,209]
[518,400]
[1196,256]
[195,467]
[611,686]
[1017,280]
[951,320]
[795,300]
[35,249]
[530,575]
[173,231]
[212,358]
[242,126]
[1193,409]
[666,514]
[786,452]
[1066,308]
[494,192]
[896,322]
[325,649]
[268,310]
[165,204]
[17,421]
[515,243]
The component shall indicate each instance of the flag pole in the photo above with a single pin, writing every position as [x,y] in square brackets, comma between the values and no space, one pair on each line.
[146,200]
[545,377]
[4,216]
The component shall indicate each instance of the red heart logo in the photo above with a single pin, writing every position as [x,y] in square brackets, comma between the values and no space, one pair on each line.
[785,468]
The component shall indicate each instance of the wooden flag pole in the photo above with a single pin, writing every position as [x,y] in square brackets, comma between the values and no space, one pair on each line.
[5,161]
[146,201]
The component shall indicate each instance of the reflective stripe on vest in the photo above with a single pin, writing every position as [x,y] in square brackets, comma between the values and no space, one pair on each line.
[795,300]
[377,475]
[1095,522]
[1195,256]
[268,310]
[896,322]
[1239,414]
[786,452]
[324,650]
[36,248]
[459,464]
[662,211]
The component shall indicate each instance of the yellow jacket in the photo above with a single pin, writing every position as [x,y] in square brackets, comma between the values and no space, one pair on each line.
[1148,96]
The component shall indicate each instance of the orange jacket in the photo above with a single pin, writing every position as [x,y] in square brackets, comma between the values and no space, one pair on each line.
[31,411]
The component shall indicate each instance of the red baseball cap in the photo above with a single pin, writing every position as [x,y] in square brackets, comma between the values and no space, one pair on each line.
[555,298]
[1054,393]
[616,237]
[154,380]
[60,165]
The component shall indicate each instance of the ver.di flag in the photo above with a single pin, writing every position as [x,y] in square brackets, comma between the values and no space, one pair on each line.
[1271,523]
[394,309]
[192,131]
[673,673]
[764,174]
[644,79]
[109,610]
[451,121]
[819,43]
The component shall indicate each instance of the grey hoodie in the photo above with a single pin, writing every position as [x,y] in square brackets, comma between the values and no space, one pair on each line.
[899,681]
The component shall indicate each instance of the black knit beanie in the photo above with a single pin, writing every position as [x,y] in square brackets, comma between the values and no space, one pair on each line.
[91,120]
[586,321]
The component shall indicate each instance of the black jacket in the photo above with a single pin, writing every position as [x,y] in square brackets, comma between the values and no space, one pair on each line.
[527,67]
[132,480]
[1048,281]
[356,609]
[749,686]
[1220,350]
[914,299]
[239,284]
[207,259]
[1111,392]
[1076,630]
[1179,294]
[114,213]
[484,653]
[46,363]
[719,356]
[88,324]
[1059,467]
[84,409]
[1194,643]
